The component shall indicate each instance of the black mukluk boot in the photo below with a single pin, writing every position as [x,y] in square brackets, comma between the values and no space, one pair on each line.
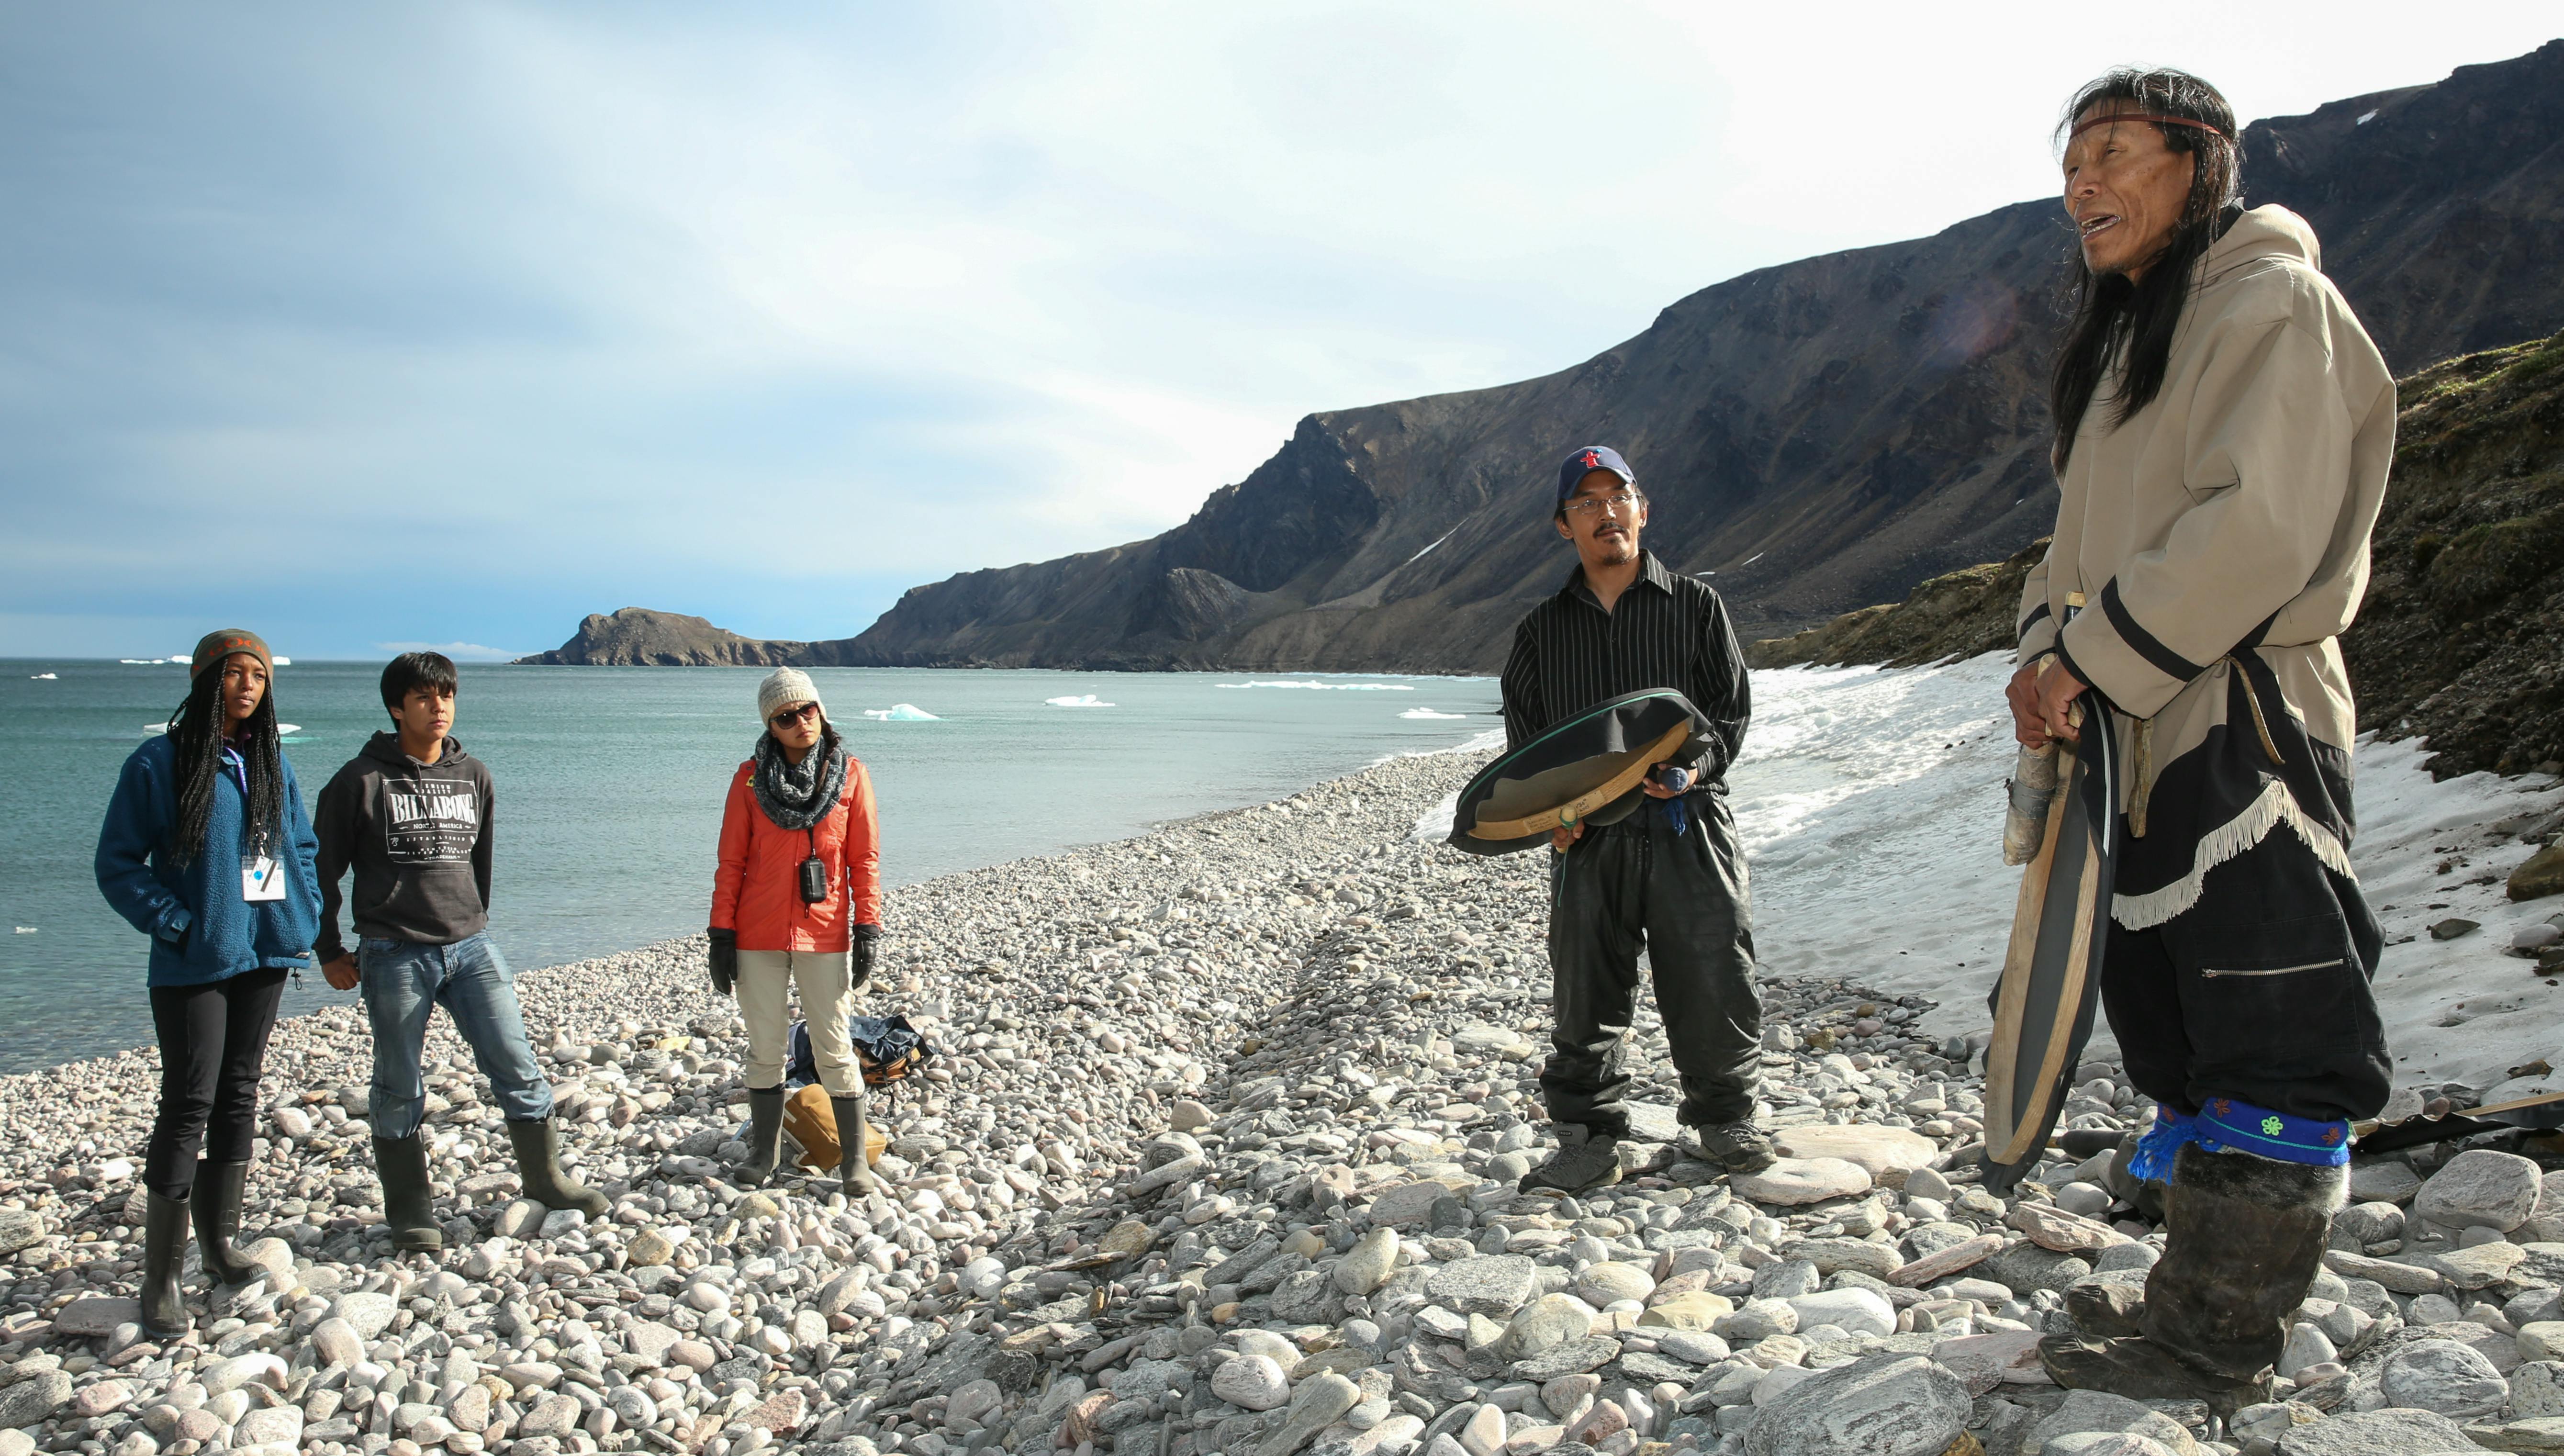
[216,1209]
[164,1238]
[539,1171]
[401,1162]
[2245,1237]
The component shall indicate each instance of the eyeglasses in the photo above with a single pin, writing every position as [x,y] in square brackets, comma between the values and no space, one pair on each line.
[1613,503]
[792,715]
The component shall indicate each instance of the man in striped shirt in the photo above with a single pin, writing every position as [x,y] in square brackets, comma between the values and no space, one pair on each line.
[1669,877]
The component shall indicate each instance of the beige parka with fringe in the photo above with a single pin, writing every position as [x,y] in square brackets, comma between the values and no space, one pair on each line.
[2231,514]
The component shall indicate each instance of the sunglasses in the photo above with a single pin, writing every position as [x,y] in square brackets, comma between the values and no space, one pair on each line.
[792,715]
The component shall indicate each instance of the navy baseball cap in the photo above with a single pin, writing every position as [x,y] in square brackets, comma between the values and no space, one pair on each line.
[1585,462]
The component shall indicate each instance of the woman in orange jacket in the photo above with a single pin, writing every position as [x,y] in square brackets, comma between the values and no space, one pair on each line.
[796,903]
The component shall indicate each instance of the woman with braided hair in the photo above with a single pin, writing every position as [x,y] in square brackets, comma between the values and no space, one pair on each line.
[206,849]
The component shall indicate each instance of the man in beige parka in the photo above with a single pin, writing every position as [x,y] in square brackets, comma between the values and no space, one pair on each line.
[2224,427]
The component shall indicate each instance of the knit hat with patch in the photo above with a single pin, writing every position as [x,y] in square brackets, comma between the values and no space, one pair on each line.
[215,646]
[784,687]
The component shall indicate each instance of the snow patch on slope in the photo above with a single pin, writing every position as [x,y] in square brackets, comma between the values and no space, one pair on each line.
[1870,803]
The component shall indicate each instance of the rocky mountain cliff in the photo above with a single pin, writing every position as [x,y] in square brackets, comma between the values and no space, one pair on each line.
[637,637]
[1820,435]
[2461,639]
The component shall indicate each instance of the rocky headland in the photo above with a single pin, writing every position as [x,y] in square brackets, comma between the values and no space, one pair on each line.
[639,637]
[1219,1157]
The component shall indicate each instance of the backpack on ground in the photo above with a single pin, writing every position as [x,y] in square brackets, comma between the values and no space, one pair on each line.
[888,1048]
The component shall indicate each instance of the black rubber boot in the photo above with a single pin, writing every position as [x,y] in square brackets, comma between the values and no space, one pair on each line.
[764,1135]
[164,1240]
[854,1170]
[539,1169]
[2245,1237]
[217,1209]
[401,1162]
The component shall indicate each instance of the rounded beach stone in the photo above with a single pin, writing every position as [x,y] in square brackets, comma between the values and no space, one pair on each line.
[1887,1405]
[1786,1279]
[2541,1340]
[1858,1311]
[1306,1298]
[2480,1188]
[1250,1382]
[2390,1433]
[1544,1323]
[1368,1264]
[1791,1181]
[2104,1443]
[2385,1182]
[1756,1320]
[2442,1376]
[367,1315]
[1490,1283]
[1693,1309]
[34,1399]
[1887,1155]
[1693,1347]
[1602,1283]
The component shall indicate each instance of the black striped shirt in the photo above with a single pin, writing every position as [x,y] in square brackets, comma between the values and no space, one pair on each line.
[1666,630]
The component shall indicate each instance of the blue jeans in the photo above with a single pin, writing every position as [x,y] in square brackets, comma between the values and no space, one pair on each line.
[405,981]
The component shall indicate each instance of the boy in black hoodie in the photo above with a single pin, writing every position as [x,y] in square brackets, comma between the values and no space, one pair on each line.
[411,815]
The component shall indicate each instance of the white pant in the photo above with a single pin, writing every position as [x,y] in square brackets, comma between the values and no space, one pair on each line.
[764,978]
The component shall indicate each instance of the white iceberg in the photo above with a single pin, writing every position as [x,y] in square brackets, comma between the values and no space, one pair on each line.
[901,712]
[1431,713]
[1083,699]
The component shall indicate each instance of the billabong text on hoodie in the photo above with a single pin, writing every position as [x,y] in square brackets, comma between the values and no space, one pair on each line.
[417,835]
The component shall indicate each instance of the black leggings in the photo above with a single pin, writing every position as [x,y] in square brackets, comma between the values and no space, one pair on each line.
[213,1042]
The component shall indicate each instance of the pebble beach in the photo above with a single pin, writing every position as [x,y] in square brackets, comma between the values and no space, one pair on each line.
[1219,1156]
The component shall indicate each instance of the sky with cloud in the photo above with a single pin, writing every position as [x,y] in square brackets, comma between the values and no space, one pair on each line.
[377,326]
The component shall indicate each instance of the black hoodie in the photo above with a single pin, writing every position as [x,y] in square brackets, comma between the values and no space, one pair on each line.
[418,836]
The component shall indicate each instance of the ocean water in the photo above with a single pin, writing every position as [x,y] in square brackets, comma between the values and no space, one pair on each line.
[610,783]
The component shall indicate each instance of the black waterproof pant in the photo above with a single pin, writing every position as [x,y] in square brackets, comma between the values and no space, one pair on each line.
[213,1043]
[1683,898]
[2259,992]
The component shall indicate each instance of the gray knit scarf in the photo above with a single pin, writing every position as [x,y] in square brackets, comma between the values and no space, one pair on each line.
[799,795]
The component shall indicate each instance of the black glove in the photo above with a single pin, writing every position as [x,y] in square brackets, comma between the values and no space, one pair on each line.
[724,960]
[866,949]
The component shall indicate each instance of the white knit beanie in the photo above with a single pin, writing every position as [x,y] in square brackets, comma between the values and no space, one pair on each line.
[784,687]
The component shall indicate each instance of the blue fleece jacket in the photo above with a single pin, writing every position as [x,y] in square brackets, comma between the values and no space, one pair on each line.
[201,928]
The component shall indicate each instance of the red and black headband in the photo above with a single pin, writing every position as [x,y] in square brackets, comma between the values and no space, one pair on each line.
[2161,120]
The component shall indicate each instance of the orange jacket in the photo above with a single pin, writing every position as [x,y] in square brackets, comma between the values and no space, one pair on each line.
[757,890]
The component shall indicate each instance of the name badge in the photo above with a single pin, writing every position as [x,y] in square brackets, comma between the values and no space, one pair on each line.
[261,878]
